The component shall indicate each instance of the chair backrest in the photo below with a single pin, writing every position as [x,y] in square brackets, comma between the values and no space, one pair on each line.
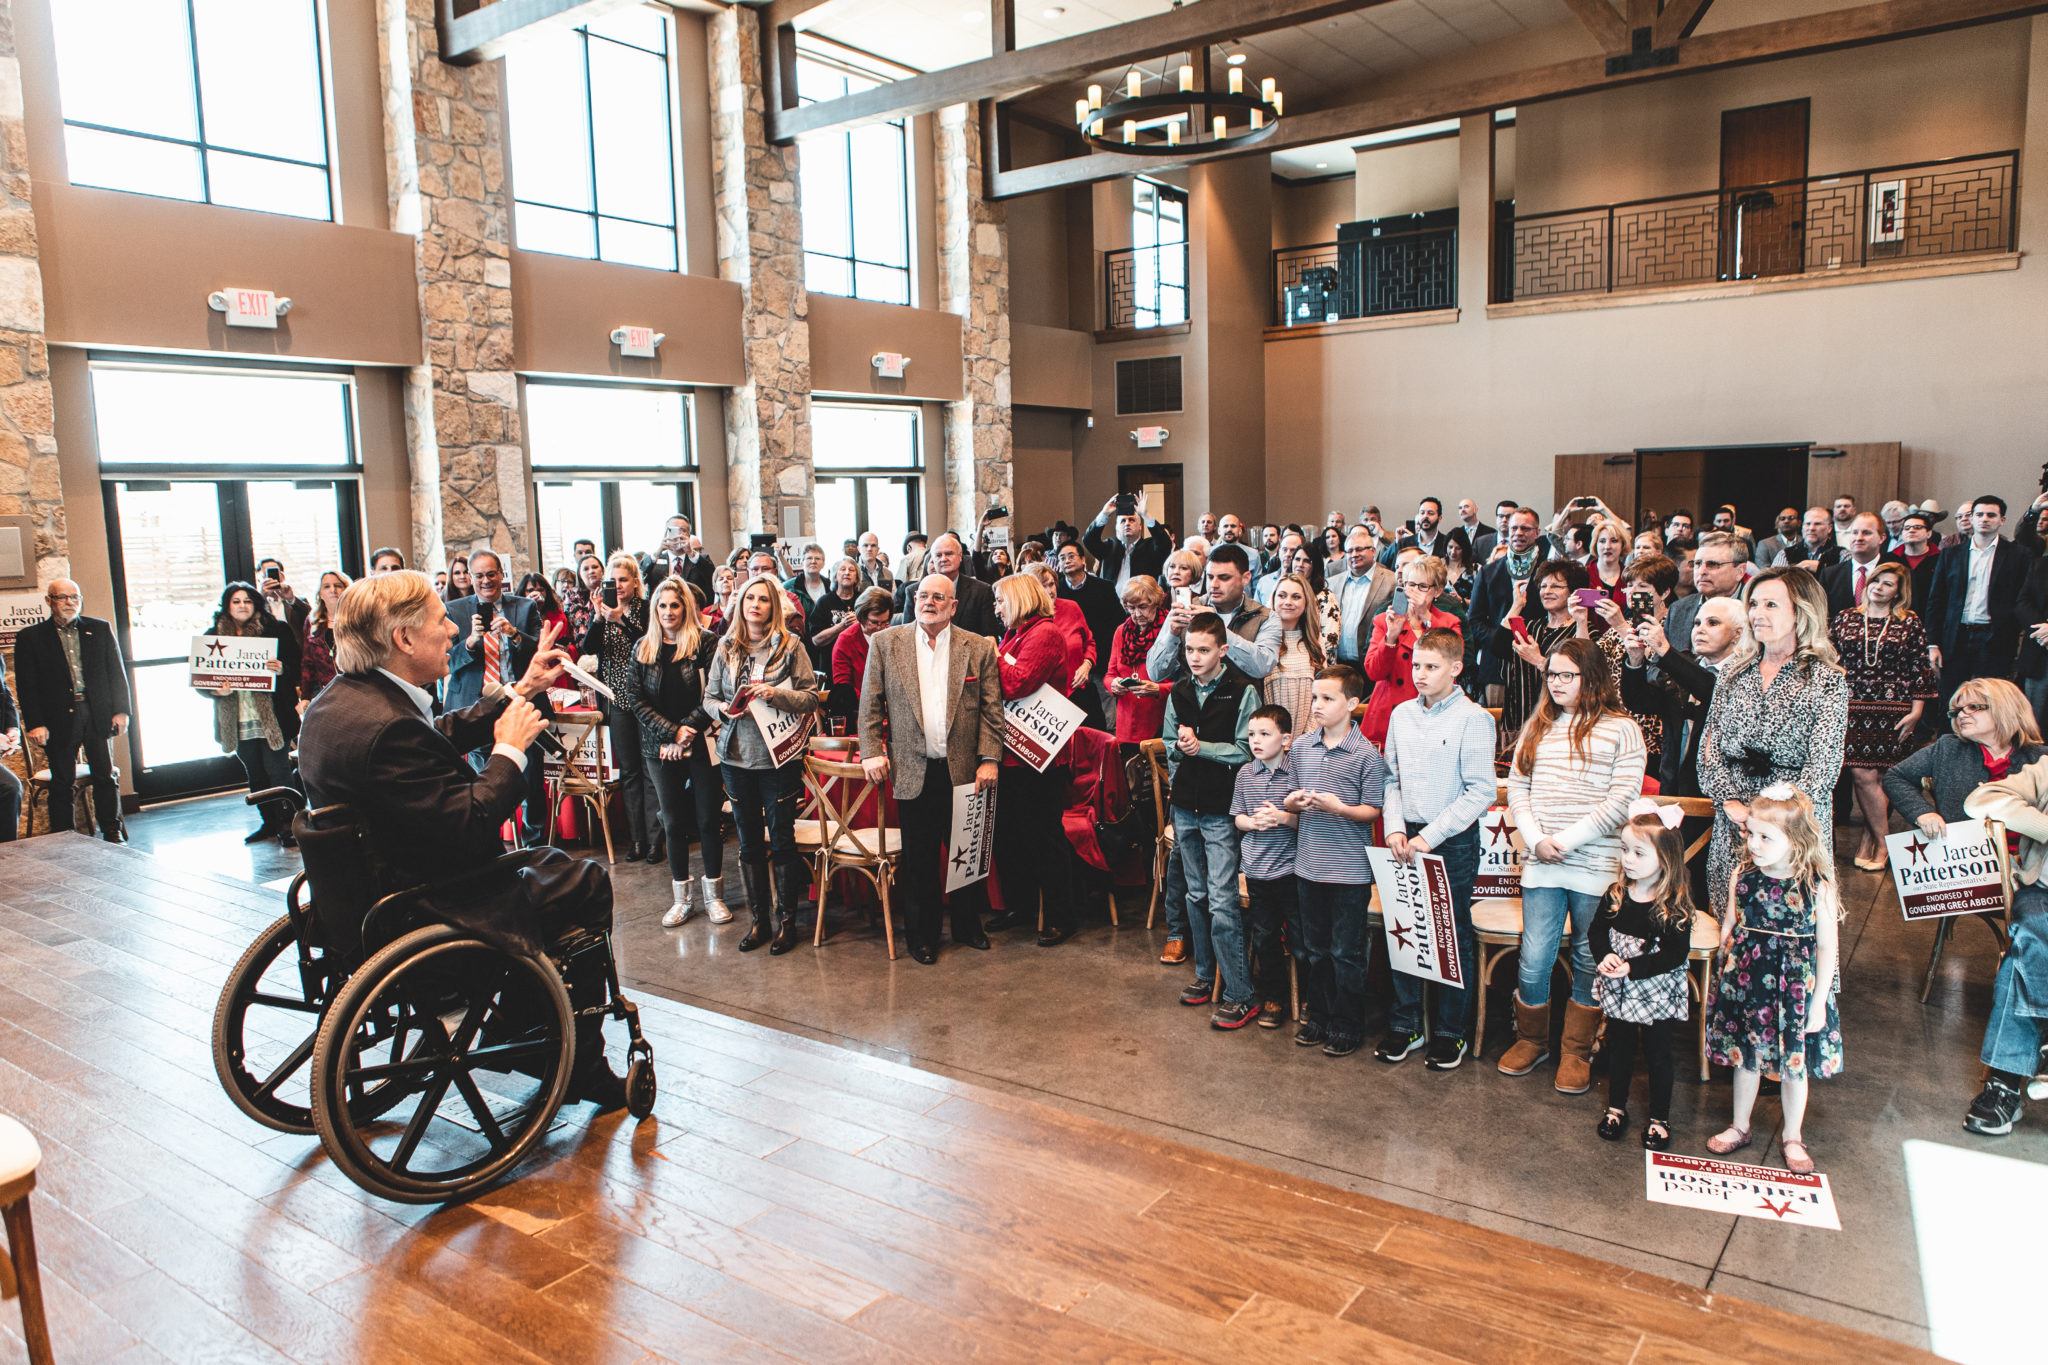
[339,874]
[573,732]
[1695,808]
[836,792]
[1155,760]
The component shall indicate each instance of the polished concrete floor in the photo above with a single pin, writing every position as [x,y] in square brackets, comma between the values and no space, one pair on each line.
[1094,1026]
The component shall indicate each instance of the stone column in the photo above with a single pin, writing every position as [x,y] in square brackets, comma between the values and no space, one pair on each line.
[28,441]
[974,282]
[761,248]
[444,138]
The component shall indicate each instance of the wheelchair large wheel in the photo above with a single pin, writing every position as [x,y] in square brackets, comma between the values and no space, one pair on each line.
[264,1026]
[475,1043]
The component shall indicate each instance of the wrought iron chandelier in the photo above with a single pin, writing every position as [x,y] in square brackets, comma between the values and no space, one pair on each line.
[1171,118]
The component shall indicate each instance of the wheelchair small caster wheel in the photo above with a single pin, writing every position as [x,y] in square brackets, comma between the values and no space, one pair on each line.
[640,1086]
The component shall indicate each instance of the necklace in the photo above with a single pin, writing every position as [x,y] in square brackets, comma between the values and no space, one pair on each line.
[1869,658]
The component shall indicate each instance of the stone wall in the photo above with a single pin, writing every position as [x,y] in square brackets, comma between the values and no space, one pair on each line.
[445,159]
[761,248]
[28,441]
[974,282]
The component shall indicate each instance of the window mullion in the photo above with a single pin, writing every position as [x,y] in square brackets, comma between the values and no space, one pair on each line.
[590,138]
[199,103]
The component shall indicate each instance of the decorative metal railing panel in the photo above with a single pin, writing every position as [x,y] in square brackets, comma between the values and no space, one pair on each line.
[1398,272]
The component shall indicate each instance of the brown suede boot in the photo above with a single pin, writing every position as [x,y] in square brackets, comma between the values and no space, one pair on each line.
[1575,1050]
[1532,1040]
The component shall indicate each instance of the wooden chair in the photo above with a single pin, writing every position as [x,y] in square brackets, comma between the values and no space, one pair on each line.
[19,1157]
[1162,819]
[38,789]
[571,782]
[837,838]
[1946,925]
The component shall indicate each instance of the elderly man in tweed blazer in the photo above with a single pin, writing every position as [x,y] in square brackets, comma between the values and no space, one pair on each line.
[931,720]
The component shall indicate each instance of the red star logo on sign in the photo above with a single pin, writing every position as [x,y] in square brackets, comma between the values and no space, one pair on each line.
[217,647]
[1401,933]
[1776,1210]
[1918,849]
[1497,832]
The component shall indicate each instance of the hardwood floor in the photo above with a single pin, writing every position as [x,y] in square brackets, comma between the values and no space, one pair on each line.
[788,1200]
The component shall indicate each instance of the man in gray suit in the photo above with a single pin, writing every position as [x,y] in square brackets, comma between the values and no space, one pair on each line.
[497,633]
[931,720]
[1717,571]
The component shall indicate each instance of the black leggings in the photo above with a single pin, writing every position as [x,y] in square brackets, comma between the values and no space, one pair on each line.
[1621,1063]
[690,784]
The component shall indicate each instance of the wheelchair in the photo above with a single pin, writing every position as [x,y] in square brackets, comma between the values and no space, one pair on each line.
[429,1062]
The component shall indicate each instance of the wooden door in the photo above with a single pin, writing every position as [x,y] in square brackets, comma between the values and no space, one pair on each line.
[1610,478]
[1162,488]
[1866,471]
[1763,221]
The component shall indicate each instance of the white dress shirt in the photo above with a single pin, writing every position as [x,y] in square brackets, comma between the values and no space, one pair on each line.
[1977,600]
[934,675]
[1123,571]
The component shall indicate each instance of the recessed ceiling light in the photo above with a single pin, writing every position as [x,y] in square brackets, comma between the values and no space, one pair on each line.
[1322,165]
[1235,59]
[1053,11]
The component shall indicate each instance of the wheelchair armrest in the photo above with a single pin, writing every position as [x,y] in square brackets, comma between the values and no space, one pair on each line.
[509,862]
[291,796]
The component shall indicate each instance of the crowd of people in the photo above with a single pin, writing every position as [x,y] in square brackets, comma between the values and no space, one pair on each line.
[1319,690]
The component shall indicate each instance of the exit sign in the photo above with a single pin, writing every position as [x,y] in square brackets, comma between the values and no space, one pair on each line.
[248,307]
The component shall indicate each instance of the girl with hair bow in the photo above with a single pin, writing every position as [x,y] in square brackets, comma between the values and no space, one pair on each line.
[1640,939]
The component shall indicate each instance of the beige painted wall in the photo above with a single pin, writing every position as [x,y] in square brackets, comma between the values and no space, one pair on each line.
[1043,486]
[567,308]
[1948,94]
[846,334]
[1307,212]
[1038,229]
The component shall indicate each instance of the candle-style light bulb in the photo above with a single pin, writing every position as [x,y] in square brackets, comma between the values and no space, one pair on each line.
[1267,87]
[1279,108]
[1134,85]
[1094,97]
[1187,79]
[1237,80]
[1258,118]
[1173,133]
[1221,125]
[1081,111]
[1130,131]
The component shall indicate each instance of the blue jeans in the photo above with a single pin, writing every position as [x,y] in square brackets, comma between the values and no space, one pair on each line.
[1207,845]
[2019,999]
[1333,953]
[1452,1009]
[765,797]
[1175,894]
[1543,914]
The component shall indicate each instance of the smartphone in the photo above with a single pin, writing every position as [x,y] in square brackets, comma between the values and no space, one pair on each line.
[484,612]
[273,574]
[1641,607]
[1183,597]
[1126,505]
[1583,503]
[610,592]
[1519,627]
[1590,598]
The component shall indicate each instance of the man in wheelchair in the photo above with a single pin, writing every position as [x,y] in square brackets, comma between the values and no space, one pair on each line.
[371,740]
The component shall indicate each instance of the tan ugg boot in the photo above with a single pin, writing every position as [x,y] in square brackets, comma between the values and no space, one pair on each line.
[1575,1050]
[1532,1040]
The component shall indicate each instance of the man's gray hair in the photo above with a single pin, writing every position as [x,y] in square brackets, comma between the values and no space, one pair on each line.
[371,609]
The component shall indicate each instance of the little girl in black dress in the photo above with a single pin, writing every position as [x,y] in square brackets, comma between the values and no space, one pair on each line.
[1639,941]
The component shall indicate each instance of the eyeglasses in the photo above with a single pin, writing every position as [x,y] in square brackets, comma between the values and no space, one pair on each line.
[934,597]
[65,597]
[484,576]
[1973,708]
[1554,676]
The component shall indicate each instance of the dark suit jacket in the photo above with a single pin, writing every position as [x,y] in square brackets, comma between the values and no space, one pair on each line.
[466,664]
[892,708]
[1944,615]
[425,813]
[1798,552]
[1491,601]
[1840,581]
[1148,556]
[1104,613]
[1407,538]
[654,568]
[2033,610]
[1483,541]
[1681,691]
[8,719]
[43,680]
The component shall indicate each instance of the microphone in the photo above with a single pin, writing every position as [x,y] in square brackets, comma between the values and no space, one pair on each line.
[547,738]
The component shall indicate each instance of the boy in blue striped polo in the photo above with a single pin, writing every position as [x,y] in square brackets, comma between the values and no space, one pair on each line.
[1340,778]
[1266,853]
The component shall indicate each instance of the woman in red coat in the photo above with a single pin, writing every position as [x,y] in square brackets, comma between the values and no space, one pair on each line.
[1082,665]
[1140,702]
[1388,657]
[1032,856]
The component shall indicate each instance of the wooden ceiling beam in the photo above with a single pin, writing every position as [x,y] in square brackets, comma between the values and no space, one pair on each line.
[1608,28]
[1835,29]
[1006,75]
[1679,19]
[470,34]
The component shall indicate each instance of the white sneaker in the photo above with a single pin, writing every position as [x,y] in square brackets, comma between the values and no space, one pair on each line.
[714,900]
[680,911]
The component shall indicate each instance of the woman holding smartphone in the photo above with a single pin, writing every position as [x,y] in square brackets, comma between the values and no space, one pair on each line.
[1140,702]
[618,622]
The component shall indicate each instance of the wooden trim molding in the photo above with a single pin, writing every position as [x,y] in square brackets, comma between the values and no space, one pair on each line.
[1435,317]
[1884,273]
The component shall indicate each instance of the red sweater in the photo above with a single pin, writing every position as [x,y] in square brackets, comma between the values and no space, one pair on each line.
[1028,659]
[1387,666]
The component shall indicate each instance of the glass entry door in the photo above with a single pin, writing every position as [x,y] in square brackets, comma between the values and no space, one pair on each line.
[176,545]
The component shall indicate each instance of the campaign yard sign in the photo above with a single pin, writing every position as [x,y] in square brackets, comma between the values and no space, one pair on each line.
[1500,863]
[970,848]
[241,662]
[18,611]
[1416,916]
[1961,873]
[786,732]
[1698,1182]
[1037,727]
[593,756]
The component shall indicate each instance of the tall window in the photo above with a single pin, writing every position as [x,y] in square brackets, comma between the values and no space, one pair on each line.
[856,196]
[593,141]
[215,101]
[1159,232]
[611,463]
[868,457]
